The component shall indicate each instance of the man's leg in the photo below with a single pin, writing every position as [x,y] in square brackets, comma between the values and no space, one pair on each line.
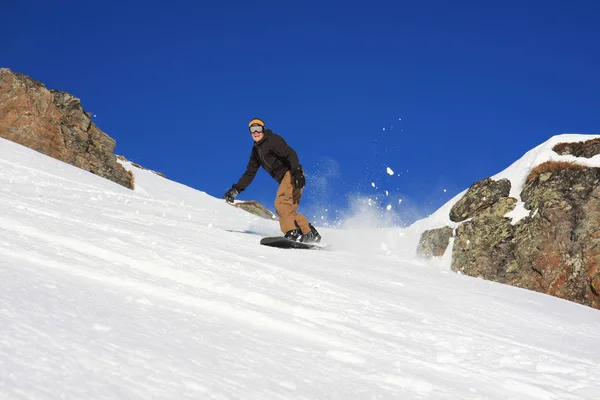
[286,204]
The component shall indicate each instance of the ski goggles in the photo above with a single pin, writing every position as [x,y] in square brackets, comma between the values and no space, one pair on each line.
[256,128]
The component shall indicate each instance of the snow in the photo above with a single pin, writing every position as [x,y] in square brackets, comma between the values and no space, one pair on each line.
[164,293]
[389,171]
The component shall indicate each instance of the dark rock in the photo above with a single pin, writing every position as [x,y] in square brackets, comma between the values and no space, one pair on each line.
[556,250]
[433,243]
[587,149]
[483,246]
[558,247]
[481,195]
[54,123]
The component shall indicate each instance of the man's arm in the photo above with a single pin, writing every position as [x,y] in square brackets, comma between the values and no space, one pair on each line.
[249,175]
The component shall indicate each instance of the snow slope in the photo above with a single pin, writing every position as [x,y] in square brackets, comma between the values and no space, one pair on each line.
[164,293]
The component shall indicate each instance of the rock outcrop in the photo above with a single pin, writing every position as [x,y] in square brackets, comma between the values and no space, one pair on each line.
[54,123]
[434,242]
[555,250]
[587,149]
[480,196]
[483,246]
[254,207]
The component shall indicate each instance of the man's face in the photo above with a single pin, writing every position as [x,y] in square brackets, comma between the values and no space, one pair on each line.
[257,132]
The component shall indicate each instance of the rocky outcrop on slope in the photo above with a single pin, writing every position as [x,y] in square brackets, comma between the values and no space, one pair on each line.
[483,245]
[54,123]
[555,250]
[434,242]
[254,207]
[587,149]
[480,196]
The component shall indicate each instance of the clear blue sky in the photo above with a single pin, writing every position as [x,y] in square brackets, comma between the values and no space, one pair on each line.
[476,84]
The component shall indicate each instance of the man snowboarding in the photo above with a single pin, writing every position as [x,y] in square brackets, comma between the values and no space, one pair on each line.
[272,153]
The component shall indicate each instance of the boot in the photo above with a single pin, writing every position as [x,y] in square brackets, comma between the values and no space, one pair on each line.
[312,236]
[294,235]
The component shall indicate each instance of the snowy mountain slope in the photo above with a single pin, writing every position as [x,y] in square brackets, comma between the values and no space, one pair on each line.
[164,293]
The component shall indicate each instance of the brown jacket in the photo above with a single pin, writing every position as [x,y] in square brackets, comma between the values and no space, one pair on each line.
[274,155]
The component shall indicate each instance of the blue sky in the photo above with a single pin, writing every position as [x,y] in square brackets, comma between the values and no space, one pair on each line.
[462,89]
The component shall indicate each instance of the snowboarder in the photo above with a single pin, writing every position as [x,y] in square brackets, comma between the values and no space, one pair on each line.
[272,153]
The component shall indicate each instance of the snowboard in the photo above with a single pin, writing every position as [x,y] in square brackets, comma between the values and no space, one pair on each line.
[283,243]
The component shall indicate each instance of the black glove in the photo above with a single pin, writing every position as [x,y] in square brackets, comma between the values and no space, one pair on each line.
[298,179]
[230,195]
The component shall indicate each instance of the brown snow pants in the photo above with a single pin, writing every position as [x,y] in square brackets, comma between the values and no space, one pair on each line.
[286,204]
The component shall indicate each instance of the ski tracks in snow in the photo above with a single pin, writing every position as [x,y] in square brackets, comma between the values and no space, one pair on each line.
[159,268]
[199,282]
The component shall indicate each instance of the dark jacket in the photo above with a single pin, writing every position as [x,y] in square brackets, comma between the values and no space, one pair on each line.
[274,155]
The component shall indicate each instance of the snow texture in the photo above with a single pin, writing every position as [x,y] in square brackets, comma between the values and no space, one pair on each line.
[165,293]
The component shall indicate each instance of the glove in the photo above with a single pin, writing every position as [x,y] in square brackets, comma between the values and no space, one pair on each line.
[230,195]
[298,179]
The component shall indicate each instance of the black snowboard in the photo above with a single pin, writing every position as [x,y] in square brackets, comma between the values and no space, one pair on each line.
[283,243]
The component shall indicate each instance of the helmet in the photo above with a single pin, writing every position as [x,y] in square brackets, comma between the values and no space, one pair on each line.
[257,121]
